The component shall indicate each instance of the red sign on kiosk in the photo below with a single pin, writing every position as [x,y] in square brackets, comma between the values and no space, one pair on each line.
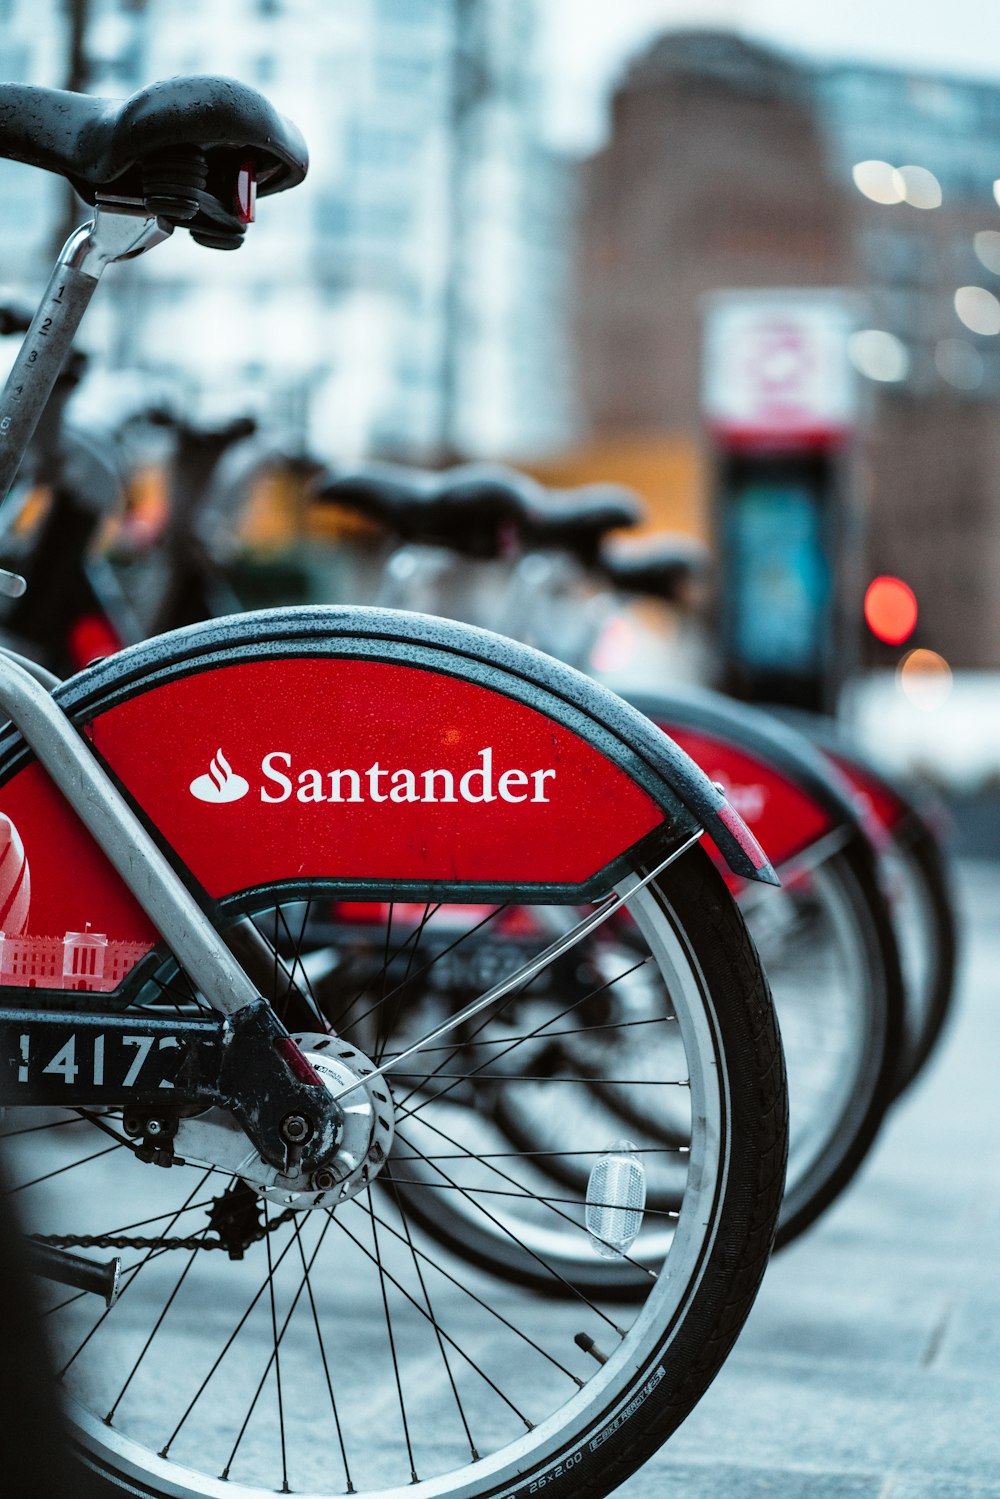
[776,371]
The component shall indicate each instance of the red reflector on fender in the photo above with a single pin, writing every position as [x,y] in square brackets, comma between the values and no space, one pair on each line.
[733,822]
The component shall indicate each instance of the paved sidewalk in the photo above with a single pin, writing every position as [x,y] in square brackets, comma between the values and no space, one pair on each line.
[870,1365]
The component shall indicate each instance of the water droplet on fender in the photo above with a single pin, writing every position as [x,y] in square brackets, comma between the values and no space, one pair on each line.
[616,1199]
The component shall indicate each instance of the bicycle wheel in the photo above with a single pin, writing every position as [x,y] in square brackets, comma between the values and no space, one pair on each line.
[835,974]
[338,1350]
[830,953]
[823,955]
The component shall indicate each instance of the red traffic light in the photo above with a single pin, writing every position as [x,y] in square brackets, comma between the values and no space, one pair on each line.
[890,609]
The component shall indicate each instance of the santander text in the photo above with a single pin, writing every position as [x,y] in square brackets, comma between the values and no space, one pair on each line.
[380,784]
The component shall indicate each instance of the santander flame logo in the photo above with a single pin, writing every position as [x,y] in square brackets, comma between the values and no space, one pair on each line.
[221,784]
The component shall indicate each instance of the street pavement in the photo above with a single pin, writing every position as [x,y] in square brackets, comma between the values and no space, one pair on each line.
[870,1365]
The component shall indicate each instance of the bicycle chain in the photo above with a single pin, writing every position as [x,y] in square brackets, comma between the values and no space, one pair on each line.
[119,1241]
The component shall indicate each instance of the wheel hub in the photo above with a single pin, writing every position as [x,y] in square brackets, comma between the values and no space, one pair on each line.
[215,1139]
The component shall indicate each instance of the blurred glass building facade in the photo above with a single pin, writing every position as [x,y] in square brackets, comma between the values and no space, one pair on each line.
[407,299]
[415,299]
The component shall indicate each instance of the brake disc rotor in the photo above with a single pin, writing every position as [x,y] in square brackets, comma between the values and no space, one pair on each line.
[215,1139]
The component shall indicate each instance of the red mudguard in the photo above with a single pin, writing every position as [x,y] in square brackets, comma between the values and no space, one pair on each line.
[484,774]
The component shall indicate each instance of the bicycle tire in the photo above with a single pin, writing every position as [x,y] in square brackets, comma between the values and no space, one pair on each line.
[883,1041]
[658,1368]
[916,873]
[930,997]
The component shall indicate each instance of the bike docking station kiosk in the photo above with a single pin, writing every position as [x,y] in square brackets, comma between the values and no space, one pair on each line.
[780,406]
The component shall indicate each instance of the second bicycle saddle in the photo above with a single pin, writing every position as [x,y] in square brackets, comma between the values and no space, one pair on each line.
[178,145]
[473,508]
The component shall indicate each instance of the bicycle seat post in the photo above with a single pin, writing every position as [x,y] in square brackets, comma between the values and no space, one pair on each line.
[115,233]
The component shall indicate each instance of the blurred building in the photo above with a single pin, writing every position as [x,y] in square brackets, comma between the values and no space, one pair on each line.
[33,49]
[403,300]
[732,166]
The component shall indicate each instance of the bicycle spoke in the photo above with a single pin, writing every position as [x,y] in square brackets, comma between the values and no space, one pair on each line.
[297,975]
[303,1284]
[132,1276]
[156,1327]
[276,1357]
[392,1345]
[498,1316]
[529,1155]
[181,1001]
[510,1234]
[59,1170]
[434,1321]
[579,1030]
[539,1031]
[461,1351]
[544,1197]
[34,1129]
[550,1205]
[322,1348]
[225,1349]
[463,937]
[387,1022]
[544,1077]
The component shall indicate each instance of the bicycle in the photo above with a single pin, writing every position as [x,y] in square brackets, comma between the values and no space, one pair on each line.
[826,939]
[155,992]
[829,947]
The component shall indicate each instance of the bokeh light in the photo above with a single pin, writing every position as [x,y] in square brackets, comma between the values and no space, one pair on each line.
[924,677]
[921,189]
[959,362]
[978,309]
[879,181]
[879,355]
[890,609]
[987,247]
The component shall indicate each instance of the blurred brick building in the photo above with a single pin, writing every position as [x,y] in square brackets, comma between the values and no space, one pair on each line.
[729,165]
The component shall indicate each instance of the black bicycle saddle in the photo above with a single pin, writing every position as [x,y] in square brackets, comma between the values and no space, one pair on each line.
[665,566]
[178,145]
[577,520]
[474,509]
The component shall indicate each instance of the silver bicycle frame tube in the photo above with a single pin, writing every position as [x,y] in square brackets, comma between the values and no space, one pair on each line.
[187,931]
[112,235]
